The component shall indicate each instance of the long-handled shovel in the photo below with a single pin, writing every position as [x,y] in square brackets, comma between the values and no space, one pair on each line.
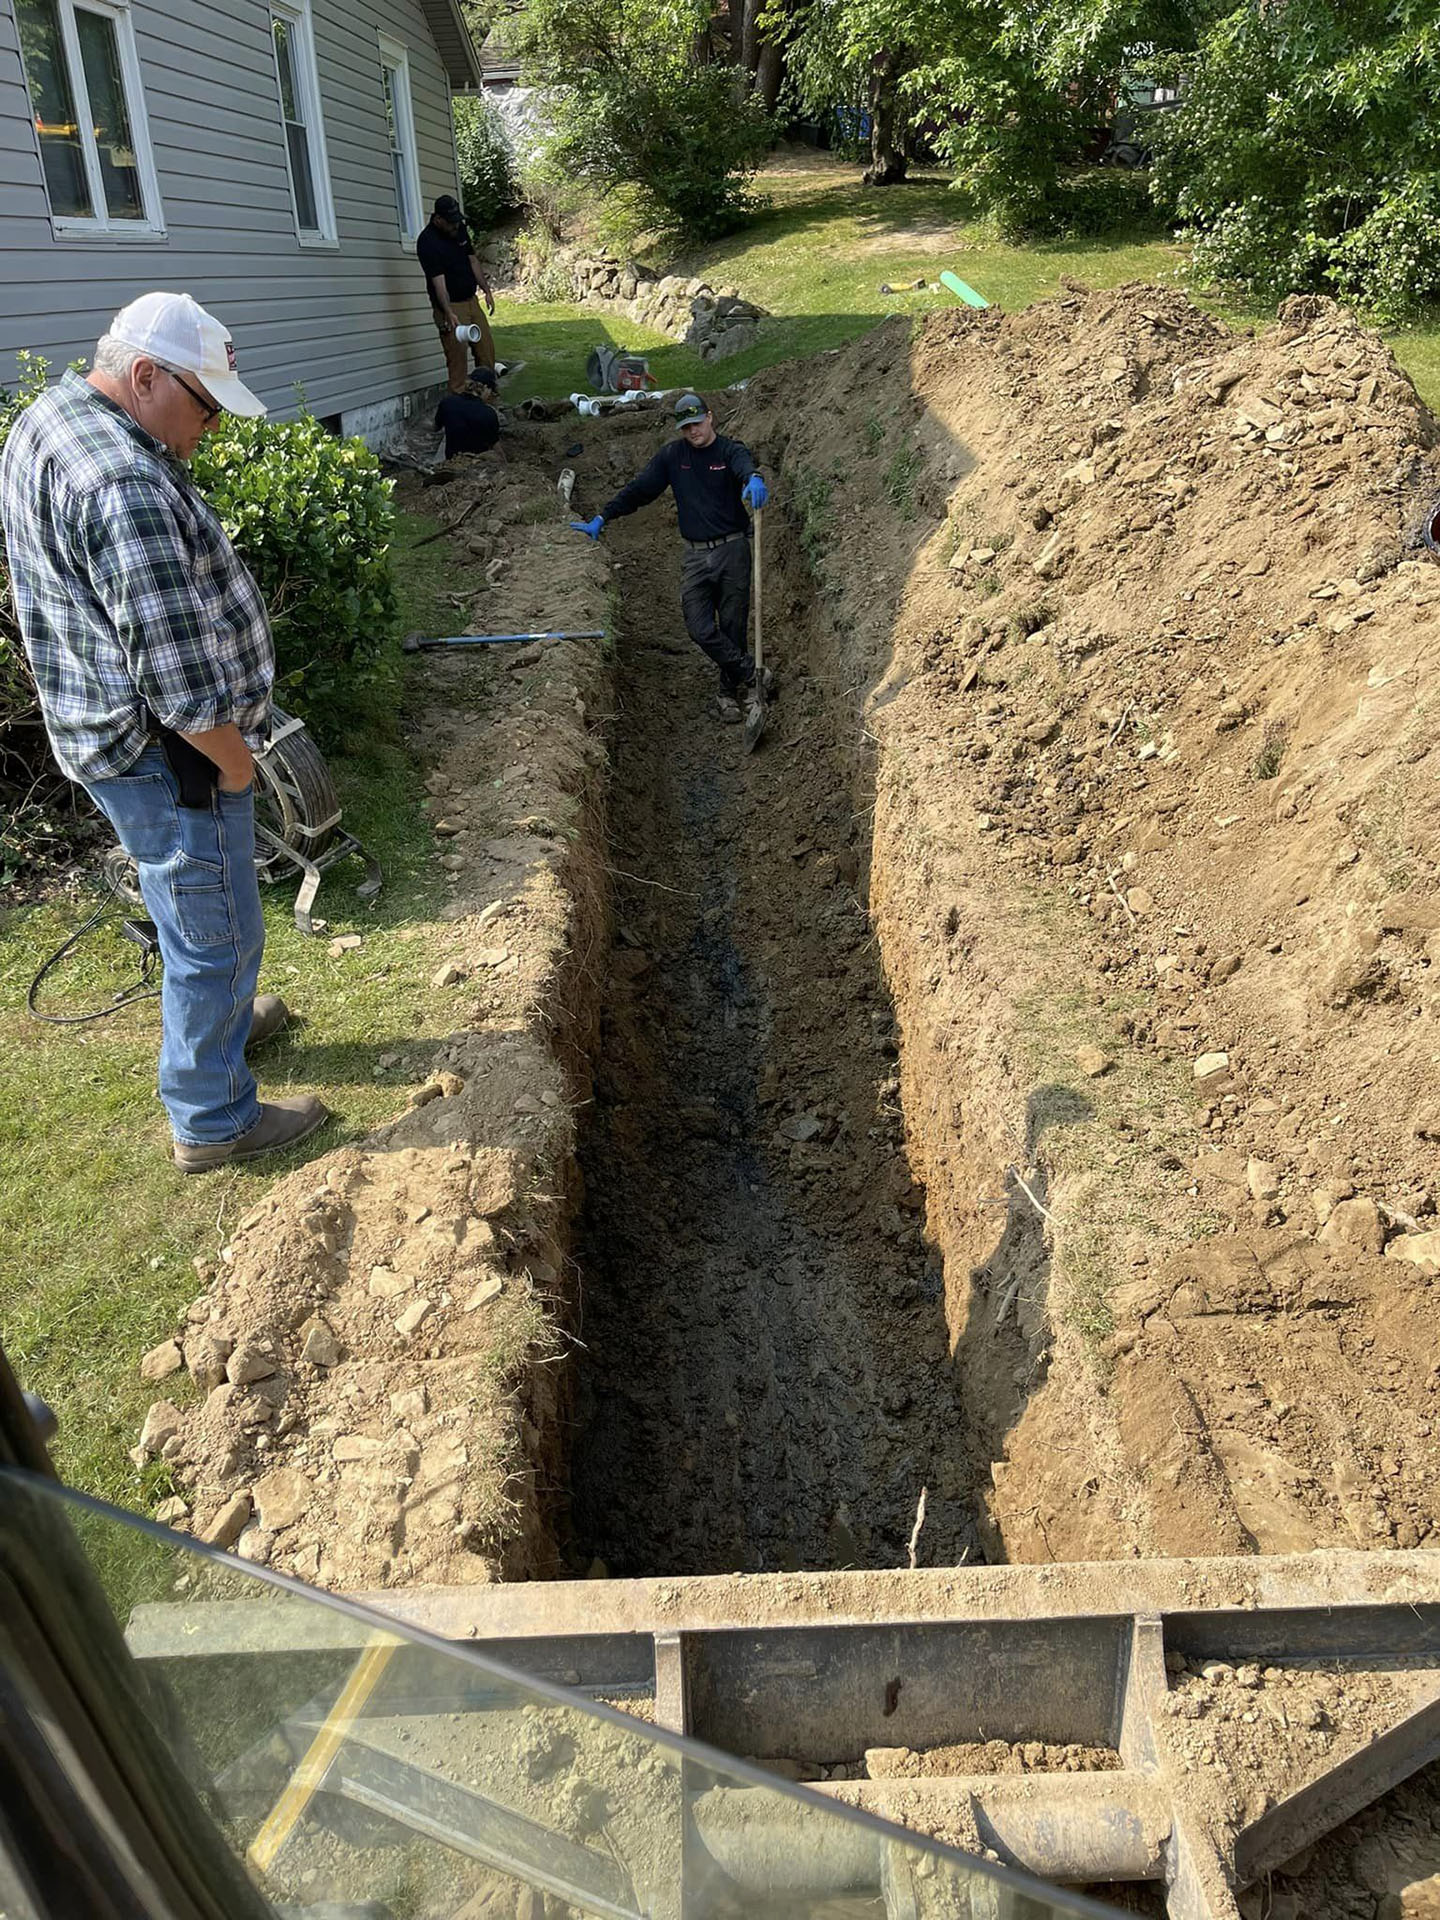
[757,714]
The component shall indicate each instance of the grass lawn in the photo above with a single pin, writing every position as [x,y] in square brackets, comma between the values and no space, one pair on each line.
[97,1229]
[817,258]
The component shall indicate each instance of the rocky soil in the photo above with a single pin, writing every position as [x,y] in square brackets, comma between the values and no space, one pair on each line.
[1142,667]
[376,1392]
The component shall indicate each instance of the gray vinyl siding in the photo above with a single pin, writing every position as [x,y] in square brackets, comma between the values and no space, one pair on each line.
[349,323]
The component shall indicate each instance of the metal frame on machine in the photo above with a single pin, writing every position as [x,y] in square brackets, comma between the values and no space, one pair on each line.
[828,1663]
[820,1665]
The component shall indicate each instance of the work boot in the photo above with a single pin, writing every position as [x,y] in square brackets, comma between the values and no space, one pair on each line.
[728,707]
[281,1124]
[268,1014]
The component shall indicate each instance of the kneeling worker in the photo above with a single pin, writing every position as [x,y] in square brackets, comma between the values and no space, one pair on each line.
[469,420]
[713,480]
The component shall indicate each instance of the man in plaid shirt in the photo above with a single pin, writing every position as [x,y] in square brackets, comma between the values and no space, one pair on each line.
[152,658]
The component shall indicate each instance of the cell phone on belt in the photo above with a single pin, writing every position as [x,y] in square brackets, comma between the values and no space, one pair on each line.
[196,772]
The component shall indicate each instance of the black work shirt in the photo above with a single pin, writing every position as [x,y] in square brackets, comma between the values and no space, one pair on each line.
[438,253]
[706,482]
[470,424]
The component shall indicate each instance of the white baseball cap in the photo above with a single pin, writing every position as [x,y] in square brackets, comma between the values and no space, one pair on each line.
[175,330]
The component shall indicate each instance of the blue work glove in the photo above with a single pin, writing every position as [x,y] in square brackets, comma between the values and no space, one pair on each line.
[592,527]
[755,493]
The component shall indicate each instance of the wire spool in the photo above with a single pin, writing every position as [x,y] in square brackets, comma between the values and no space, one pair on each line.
[121,877]
[294,795]
[295,799]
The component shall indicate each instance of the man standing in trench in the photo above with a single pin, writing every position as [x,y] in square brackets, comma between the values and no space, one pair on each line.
[454,280]
[713,480]
[151,652]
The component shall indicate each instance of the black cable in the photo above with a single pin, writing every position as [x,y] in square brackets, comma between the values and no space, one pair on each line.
[127,997]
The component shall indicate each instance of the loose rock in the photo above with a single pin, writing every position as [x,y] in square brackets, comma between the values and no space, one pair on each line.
[1355,1223]
[247,1364]
[282,1497]
[227,1526]
[162,1423]
[160,1362]
[320,1347]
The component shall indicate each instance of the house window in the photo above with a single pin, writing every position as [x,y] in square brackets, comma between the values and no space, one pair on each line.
[304,129]
[83,76]
[400,126]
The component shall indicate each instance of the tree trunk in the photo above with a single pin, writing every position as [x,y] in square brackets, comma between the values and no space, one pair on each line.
[750,41]
[770,71]
[888,159]
[732,33]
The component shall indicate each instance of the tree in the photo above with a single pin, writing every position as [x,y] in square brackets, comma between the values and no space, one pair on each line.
[634,108]
[1307,153]
[851,57]
[489,182]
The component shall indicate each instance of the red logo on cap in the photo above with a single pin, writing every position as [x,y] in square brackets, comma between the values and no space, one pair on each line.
[230,354]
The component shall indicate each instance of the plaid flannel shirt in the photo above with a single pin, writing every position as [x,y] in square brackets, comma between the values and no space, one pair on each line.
[132,603]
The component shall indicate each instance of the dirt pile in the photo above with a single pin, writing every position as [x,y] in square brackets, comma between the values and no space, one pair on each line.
[1142,670]
[378,1348]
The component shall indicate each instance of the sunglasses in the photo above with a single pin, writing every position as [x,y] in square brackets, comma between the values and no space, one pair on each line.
[207,407]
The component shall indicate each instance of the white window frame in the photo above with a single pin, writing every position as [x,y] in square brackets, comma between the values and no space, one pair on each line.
[100,225]
[395,59]
[306,74]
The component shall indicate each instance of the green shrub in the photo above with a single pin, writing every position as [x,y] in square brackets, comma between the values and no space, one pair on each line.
[632,109]
[489,182]
[312,518]
[1306,156]
[544,270]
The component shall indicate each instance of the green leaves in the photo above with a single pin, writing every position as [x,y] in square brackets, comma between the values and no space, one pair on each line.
[633,109]
[489,185]
[1307,154]
[312,518]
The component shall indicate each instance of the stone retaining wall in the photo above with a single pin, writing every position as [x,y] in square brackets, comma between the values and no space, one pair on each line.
[716,320]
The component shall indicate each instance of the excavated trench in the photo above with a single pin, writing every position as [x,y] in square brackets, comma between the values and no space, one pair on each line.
[765,1379]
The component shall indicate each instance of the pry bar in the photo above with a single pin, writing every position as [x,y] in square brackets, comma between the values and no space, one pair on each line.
[417,643]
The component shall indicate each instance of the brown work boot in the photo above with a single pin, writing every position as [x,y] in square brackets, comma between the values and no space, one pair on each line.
[281,1124]
[268,1014]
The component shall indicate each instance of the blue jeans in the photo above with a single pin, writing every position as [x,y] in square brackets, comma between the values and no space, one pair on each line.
[197,873]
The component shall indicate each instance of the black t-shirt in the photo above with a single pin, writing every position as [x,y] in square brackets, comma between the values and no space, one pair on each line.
[438,253]
[706,482]
[470,425]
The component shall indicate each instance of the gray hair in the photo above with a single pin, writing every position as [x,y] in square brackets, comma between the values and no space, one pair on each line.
[114,357]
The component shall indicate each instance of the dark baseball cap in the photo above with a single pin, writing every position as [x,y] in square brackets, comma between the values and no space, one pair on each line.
[483,377]
[449,206]
[690,407]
